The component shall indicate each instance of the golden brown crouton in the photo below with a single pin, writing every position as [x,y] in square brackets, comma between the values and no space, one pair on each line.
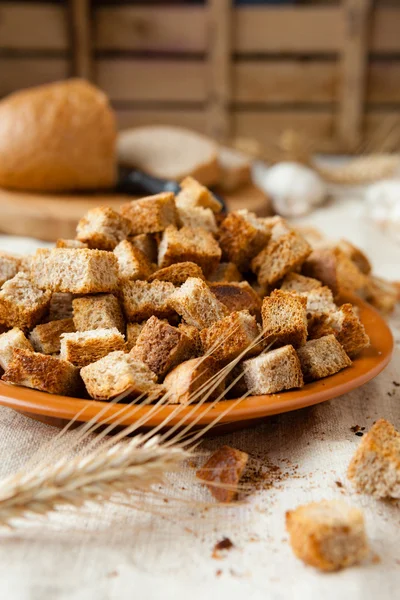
[194,381]
[132,333]
[85,347]
[60,306]
[9,341]
[161,346]
[79,271]
[193,245]
[375,467]
[222,472]
[284,319]
[62,243]
[280,257]
[45,338]
[197,217]
[102,228]
[382,294]
[178,273]
[22,304]
[142,299]
[242,235]
[231,337]
[226,272]
[9,266]
[98,312]
[132,263]
[273,371]
[356,255]
[319,302]
[336,270]
[349,330]
[194,335]
[237,296]
[147,244]
[294,282]
[193,194]
[322,357]
[197,304]
[43,372]
[151,214]
[328,535]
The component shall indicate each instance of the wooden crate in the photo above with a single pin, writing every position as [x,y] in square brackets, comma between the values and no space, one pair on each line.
[330,71]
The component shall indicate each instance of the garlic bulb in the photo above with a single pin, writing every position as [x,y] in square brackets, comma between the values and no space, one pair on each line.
[383,205]
[294,188]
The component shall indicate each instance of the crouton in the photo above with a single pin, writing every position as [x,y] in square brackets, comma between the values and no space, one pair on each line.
[132,263]
[280,257]
[132,333]
[237,296]
[22,304]
[194,245]
[222,472]
[178,273]
[230,337]
[85,347]
[319,302]
[284,319]
[115,374]
[322,357]
[43,372]
[9,266]
[242,235]
[98,312]
[142,299]
[60,306]
[195,302]
[62,243]
[102,228]
[80,271]
[197,217]
[226,272]
[194,335]
[375,467]
[151,214]
[382,294]
[279,227]
[328,535]
[9,341]
[294,282]
[349,330]
[161,346]
[273,371]
[356,255]
[336,270]
[193,194]
[194,381]
[45,338]
[147,244]
[25,264]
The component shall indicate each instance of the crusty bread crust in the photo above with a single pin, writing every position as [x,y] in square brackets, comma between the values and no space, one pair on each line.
[280,257]
[232,336]
[322,357]
[142,299]
[189,245]
[151,214]
[237,296]
[9,341]
[222,472]
[45,338]
[195,302]
[188,381]
[83,348]
[226,272]
[22,304]
[102,228]
[177,273]
[284,319]
[241,237]
[98,312]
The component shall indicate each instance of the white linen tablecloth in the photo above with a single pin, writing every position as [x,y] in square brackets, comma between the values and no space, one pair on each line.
[114,552]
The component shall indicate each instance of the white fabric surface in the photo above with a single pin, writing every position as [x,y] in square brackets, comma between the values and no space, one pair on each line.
[112,552]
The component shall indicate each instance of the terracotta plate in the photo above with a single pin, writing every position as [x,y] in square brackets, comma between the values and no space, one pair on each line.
[56,409]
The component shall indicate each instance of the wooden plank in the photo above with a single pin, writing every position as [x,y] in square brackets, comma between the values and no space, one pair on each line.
[17,73]
[353,76]
[385,38]
[33,26]
[383,82]
[81,38]
[219,69]
[179,117]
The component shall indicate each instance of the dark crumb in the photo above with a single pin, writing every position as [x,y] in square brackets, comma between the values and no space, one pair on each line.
[166,500]
[362,428]
[224,544]
[218,573]
[359,433]
[339,484]
[112,573]
[355,428]
[376,559]
[396,383]
[392,393]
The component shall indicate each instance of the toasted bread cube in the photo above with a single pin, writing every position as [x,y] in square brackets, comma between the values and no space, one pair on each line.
[349,330]
[195,302]
[147,244]
[132,263]
[382,294]
[102,228]
[118,373]
[60,306]
[242,235]
[237,296]
[9,266]
[294,282]
[322,357]
[85,347]
[231,337]
[71,244]
[226,272]
[178,273]
[151,214]
[45,338]
[319,302]
[193,194]
[195,380]
[142,299]
[43,372]
[26,264]
[356,255]
[279,227]
[132,333]
[273,372]
[194,336]
[80,271]
[280,257]
[196,217]
[22,304]
[98,312]
[161,346]
[375,466]
[336,270]
[193,245]
[9,341]
[284,319]
[328,535]
[222,472]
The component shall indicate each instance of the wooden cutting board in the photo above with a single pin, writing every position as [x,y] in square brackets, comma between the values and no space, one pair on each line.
[52,216]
